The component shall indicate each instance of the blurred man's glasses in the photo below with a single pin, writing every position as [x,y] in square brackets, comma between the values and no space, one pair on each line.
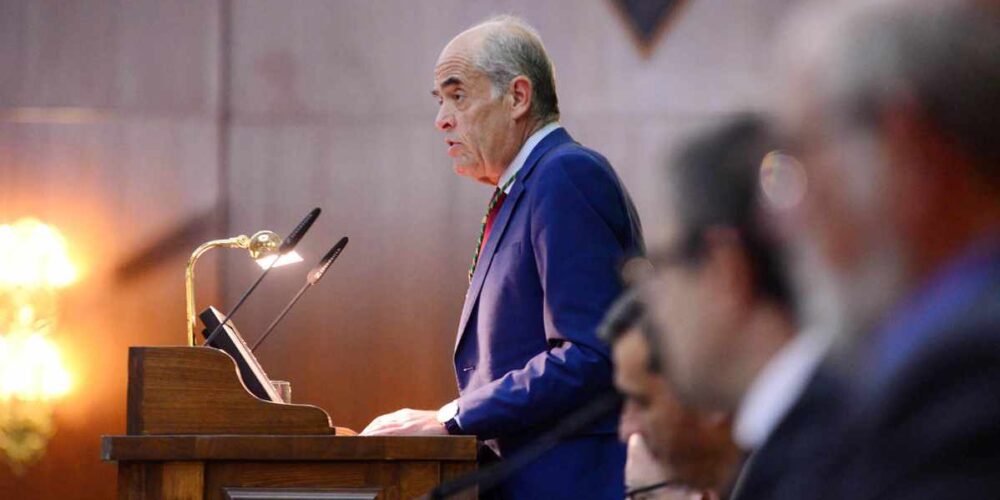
[637,270]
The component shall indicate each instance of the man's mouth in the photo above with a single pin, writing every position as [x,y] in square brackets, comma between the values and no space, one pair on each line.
[452,147]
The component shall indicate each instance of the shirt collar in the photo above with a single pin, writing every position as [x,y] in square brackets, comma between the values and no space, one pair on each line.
[776,388]
[522,155]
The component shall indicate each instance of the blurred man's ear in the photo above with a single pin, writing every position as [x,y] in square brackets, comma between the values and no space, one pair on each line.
[520,95]
[727,269]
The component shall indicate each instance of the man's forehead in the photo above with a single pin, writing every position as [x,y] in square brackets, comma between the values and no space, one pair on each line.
[452,70]
[666,233]
[456,59]
[631,354]
[455,69]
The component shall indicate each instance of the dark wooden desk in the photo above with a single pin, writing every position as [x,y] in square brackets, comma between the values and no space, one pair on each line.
[285,467]
[195,433]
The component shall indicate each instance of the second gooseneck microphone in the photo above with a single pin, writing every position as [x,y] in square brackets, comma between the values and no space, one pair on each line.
[287,245]
[311,279]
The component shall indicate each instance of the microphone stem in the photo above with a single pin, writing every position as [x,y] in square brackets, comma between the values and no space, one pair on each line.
[239,303]
[281,316]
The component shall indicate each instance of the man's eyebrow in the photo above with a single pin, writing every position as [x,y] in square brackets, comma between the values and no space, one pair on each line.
[448,82]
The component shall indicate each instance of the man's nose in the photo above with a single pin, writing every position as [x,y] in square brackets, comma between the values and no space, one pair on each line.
[445,119]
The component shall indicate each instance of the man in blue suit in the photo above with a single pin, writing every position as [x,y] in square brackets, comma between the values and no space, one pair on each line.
[544,272]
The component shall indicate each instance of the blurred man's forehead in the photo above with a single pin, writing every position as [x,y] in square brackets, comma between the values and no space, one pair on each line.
[667,232]
[631,356]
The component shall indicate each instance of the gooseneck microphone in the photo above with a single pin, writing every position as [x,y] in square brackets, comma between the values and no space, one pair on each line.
[287,245]
[311,279]
[488,477]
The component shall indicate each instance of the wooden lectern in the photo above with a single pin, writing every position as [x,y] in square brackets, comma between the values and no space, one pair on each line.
[195,432]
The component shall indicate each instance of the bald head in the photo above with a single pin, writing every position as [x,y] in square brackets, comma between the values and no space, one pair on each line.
[503,48]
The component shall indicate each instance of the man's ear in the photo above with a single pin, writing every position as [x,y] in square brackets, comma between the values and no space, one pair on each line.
[520,94]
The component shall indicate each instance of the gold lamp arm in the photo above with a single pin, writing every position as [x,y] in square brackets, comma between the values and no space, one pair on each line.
[241,241]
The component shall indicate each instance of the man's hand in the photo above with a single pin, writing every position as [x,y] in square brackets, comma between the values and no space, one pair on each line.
[406,422]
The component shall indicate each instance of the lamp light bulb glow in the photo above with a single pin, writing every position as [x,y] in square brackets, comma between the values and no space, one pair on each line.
[283,260]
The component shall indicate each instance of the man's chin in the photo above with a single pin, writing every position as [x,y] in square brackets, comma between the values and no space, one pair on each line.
[463,170]
[473,172]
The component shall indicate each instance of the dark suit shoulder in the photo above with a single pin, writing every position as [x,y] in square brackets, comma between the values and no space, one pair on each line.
[933,430]
[964,363]
[580,171]
[573,162]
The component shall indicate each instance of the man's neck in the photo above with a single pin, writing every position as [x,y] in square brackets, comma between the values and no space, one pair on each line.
[768,329]
[530,129]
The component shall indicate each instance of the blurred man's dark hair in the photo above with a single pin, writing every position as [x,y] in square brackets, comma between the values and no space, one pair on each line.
[627,314]
[716,184]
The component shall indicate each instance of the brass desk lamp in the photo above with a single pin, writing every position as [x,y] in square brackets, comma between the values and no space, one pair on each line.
[263,248]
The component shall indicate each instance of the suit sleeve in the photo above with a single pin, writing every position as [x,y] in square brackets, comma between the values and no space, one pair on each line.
[575,209]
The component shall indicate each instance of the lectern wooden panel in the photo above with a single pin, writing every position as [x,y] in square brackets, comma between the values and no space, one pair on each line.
[195,432]
[197,390]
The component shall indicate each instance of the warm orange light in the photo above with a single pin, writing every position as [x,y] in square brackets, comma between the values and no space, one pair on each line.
[34,263]
[34,255]
[31,368]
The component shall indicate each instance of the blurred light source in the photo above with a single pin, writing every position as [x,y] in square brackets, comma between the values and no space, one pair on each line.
[33,255]
[283,260]
[783,180]
[34,264]
[263,247]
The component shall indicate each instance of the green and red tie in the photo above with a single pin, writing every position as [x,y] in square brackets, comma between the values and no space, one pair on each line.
[484,231]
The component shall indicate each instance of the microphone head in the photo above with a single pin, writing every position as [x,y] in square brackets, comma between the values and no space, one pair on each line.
[289,243]
[321,268]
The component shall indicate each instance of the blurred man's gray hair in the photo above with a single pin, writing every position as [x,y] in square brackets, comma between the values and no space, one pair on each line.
[942,55]
[515,49]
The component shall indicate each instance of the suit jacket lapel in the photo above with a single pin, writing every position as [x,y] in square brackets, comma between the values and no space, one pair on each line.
[557,137]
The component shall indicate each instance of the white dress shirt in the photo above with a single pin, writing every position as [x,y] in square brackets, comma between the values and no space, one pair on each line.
[522,155]
[776,389]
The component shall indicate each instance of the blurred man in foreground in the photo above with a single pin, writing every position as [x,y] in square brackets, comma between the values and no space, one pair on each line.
[893,107]
[544,271]
[674,452]
[721,300]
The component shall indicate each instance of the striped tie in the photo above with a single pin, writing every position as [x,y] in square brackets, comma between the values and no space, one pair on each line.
[484,231]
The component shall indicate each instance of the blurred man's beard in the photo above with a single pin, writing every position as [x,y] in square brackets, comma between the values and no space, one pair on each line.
[844,303]
[844,306]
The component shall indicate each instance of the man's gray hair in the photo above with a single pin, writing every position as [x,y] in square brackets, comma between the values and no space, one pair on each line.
[943,54]
[515,49]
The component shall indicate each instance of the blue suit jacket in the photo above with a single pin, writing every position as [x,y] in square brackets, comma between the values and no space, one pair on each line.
[925,422]
[917,418]
[527,352]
